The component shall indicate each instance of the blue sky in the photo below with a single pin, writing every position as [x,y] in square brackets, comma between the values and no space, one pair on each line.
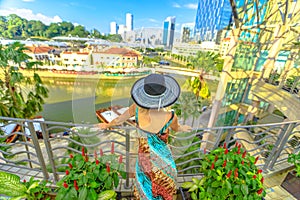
[99,13]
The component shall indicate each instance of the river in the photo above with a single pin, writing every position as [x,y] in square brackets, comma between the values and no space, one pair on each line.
[76,100]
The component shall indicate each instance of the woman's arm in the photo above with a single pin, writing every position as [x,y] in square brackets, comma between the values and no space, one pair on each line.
[175,126]
[120,119]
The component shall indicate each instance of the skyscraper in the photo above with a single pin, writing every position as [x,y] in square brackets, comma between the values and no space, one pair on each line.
[129,22]
[113,28]
[168,32]
[212,16]
[187,31]
[121,29]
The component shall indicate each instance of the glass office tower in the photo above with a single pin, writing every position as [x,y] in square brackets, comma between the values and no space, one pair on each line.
[264,34]
[212,16]
[168,32]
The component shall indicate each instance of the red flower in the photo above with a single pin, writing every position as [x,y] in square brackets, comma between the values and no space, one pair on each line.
[260,191]
[101,152]
[236,174]
[120,159]
[65,185]
[256,159]
[226,151]
[224,164]
[244,154]
[97,162]
[236,143]
[224,146]
[24,181]
[67,172]
[259,171]
[212,166]
[262,180]
[242,162]
[71,156]
[107,167]
[82,151]
[229,174]
[95,154]
[254,176]
[239,150]
[70,165]
[75,185]
[112,148]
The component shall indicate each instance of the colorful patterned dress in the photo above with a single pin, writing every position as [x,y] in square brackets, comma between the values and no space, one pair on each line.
[155,168]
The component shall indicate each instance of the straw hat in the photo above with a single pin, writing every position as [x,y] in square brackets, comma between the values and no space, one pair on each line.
[155,91]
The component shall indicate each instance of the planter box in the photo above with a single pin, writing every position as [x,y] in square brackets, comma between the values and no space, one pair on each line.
[291,183]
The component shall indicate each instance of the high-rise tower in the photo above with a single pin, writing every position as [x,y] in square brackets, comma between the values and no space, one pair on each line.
[212,16]
[168,32]
[113,28]
[129,22]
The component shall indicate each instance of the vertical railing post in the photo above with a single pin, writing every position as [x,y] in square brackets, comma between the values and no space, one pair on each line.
[49,151]
[288,130]
[38,150]
[218,138]
[127,145]
[26,145]
[271,157]
[229,135]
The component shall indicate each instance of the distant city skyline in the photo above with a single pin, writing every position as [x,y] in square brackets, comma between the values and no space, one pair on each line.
[99,14]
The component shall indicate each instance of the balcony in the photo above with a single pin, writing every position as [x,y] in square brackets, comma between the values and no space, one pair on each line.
[44,157]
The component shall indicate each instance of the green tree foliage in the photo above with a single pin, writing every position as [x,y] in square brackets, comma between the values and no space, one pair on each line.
[114,38]
[15,27]
[79,31]
[206,61]
[14,101]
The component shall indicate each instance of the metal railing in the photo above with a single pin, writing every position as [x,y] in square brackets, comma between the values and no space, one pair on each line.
[48,151]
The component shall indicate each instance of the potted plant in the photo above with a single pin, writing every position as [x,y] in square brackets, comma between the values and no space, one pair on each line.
[31,190]
[228,174]
[96,179]
[291,182]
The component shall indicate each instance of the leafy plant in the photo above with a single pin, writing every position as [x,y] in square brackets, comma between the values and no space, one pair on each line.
[87,179]
[295,159]
[228,174]
[31,190]
[13,100]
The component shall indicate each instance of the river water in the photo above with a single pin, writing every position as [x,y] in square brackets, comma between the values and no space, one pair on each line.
[76,100]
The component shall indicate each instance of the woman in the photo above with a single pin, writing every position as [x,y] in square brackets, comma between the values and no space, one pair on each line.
[155,168]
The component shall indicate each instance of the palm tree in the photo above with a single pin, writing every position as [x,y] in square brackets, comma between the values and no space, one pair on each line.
[205,62]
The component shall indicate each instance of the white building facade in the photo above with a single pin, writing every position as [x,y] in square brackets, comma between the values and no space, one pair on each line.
[129,22]
[113,28]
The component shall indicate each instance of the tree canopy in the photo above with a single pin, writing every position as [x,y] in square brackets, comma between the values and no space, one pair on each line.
[15,27]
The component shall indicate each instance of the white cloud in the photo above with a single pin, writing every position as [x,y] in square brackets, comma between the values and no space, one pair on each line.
[176,5]
[28,0]
[29,15]
[153,20]
[193,6]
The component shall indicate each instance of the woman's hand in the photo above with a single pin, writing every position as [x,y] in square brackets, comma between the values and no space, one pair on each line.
[102,125]
[185,128]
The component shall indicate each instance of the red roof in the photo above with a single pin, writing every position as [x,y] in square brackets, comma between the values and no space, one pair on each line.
[121,51]
[39,49]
